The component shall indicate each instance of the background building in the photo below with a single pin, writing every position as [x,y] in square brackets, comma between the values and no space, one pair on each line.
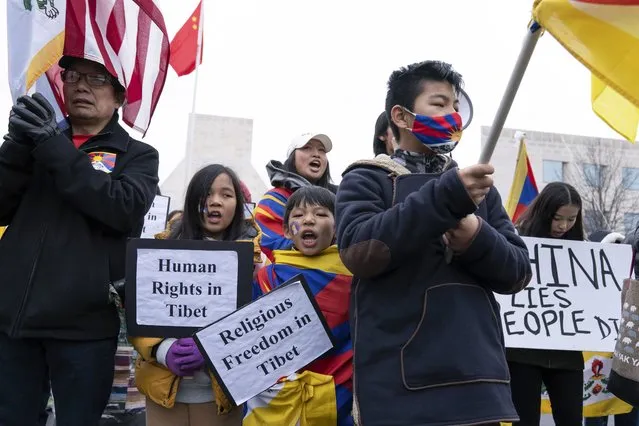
[604,171]
[223,140]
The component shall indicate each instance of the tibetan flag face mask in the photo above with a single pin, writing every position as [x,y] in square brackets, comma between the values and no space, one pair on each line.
[439,133]
[442,133]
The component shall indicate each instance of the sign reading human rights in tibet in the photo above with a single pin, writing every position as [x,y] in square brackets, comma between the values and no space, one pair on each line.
[175,287]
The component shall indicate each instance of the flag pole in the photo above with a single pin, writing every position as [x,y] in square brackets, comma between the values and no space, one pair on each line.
[534,31]
[188,158]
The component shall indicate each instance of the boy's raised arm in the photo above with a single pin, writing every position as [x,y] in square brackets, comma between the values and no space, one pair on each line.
[374,236]
[497,255]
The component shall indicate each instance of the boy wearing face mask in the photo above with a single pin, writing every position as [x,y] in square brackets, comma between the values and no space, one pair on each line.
[428,244]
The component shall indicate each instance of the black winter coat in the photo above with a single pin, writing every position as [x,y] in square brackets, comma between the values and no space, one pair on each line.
[427,338]
[70,212]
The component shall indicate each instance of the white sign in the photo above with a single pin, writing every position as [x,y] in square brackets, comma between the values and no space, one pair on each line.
[249,208]
[155,219]
[185,288]
[573,300]
[273,337]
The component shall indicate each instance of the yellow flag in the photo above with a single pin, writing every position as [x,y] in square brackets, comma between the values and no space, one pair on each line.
[305,399]
[604,36]
[617,111]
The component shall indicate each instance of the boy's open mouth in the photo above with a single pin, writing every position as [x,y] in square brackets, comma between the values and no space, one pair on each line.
[309,239]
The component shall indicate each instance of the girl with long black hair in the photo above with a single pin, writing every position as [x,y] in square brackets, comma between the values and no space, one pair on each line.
[171,372]
[555,213]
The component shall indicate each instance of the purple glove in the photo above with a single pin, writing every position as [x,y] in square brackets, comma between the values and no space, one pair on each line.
[184,357]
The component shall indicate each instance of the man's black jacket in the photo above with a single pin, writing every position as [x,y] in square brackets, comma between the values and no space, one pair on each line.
[70,212]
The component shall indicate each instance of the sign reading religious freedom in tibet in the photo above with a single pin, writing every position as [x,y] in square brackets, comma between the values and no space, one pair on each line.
[273,337]
[175,287]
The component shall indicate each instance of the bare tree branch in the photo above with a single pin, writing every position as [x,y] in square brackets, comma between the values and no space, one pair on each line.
[597,174]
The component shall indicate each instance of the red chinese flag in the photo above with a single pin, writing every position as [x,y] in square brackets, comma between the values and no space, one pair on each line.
[184,45]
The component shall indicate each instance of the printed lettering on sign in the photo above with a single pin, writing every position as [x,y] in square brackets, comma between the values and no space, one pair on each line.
[174,288]
[273,337]
[155,218]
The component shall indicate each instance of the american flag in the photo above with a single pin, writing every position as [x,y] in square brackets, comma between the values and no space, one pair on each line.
[129,38]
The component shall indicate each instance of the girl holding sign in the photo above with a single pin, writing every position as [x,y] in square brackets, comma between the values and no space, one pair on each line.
[555,213]
[310,223]
[171,372]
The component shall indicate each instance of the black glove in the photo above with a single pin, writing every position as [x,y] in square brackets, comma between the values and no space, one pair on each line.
[34,117]
[9,138]
[16,135]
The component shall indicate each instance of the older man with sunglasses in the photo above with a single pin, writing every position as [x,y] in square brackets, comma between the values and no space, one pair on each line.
[71,199]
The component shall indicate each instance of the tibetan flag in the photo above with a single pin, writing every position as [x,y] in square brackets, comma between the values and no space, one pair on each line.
[524,188]
[184,53]
[299,400]
[269,216]
[103,161]
[598,400]
[604,36]
[305,399]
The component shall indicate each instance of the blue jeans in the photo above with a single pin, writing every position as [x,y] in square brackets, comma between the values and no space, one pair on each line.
[630,419]
[80,373]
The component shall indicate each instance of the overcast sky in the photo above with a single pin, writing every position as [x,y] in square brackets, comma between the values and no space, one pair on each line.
[300,65]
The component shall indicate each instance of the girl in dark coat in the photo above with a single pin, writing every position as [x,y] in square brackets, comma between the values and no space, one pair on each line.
[555,213]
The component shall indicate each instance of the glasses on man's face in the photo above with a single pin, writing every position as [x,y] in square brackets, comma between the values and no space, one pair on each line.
[92,79]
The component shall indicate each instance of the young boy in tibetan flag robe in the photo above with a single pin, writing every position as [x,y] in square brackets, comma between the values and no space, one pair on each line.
[321,393]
